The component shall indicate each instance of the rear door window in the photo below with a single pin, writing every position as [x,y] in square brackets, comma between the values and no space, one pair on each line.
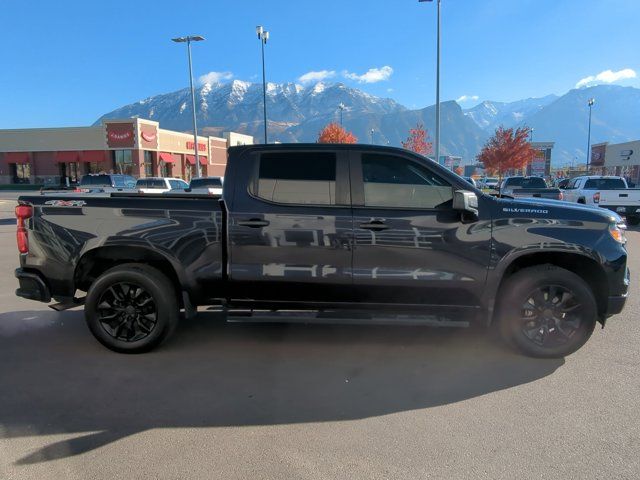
[298,178]
[150,183]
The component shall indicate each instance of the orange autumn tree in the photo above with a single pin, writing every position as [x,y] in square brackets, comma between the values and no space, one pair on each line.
[458,170]
[506,150]
[334,133]
[418,141]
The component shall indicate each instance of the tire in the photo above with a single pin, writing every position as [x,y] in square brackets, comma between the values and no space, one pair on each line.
[546,311]
[131,308]
[633,221]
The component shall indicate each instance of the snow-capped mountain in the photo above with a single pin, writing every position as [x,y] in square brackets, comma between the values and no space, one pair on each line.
[297,114]
[489,115]
[238,105]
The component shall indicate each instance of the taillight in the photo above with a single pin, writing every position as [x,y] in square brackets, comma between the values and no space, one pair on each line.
[561,196]
[596,197]
[23,213]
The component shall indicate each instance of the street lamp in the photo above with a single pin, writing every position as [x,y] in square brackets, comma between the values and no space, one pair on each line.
[437,83]
[531,135]
[590,104]
[372,132]
[263,36]
[341,107]
[188,40]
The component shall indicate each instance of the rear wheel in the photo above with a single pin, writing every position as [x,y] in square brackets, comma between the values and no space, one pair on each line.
[131,308]
[546,311]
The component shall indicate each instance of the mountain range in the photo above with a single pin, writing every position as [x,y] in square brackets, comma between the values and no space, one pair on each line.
[297,114]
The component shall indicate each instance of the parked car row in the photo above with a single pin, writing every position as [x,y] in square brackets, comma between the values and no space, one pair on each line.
[107,183]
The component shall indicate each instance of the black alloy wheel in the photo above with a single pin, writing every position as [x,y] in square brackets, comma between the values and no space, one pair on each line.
[132,308]
[551,316]
[127,312]
[546,311]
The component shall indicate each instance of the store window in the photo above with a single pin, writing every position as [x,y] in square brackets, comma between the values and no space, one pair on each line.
[148,164]
[69,171]
[92,167]
[122,162]
[20,172]
[165,169]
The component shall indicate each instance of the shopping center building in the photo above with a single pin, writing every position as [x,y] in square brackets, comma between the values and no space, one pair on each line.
[131,146]
[622,159]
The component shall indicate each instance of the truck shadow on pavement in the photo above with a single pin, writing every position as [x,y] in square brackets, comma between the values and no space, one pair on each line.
[56,379]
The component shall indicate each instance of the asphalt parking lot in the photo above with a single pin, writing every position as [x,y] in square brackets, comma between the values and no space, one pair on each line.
[242,401]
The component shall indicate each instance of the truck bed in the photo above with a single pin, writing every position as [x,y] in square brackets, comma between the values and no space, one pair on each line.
[184,230]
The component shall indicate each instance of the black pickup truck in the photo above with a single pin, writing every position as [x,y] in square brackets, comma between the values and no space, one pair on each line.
[327,233]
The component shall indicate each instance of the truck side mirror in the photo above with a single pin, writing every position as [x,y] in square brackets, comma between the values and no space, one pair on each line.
[465,201]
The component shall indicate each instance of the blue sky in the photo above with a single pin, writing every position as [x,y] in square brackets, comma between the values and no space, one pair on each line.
[68,62]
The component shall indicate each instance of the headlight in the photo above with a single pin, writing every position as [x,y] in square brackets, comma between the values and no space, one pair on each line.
[616,230]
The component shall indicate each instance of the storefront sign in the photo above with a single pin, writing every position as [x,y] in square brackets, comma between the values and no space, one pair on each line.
[149,135]
[597,155]
[120,135]
[202,147]
[538,164]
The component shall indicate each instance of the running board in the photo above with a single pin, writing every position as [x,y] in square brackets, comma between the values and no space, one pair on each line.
[341,318]
[67,304]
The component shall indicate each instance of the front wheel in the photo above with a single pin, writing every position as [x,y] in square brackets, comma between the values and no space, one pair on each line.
[131,308]
[546,311]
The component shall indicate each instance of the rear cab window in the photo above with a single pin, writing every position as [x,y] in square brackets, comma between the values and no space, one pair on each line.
[100,180]
[604,184]
[206,183]
[524,182]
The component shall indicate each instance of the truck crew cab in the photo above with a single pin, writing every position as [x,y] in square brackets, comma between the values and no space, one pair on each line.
[327,233]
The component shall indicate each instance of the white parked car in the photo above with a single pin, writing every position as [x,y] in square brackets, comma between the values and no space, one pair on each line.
[206,185]
[160,184]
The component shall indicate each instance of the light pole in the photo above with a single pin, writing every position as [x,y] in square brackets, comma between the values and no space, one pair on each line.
[188,40]
[263,36]
[341,107]
[437,83]
[590,103]
[372,132]
[531,135]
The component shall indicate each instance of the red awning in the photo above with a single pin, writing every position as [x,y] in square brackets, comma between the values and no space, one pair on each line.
[16,157]
[191,159]
[167,157]
[94,156]
[67,157]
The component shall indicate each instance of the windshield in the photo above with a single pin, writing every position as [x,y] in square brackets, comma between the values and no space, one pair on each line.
[526,182]
[604,184]
[205,183]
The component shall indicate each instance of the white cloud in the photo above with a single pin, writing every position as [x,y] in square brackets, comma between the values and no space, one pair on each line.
[215,77]
[311,77]
[373,75]
[467,98]
[608,76]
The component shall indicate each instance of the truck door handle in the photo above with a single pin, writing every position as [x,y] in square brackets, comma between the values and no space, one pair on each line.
[253,223]
[375,225]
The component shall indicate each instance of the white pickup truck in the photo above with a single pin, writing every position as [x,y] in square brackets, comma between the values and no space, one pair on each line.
[612,193]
